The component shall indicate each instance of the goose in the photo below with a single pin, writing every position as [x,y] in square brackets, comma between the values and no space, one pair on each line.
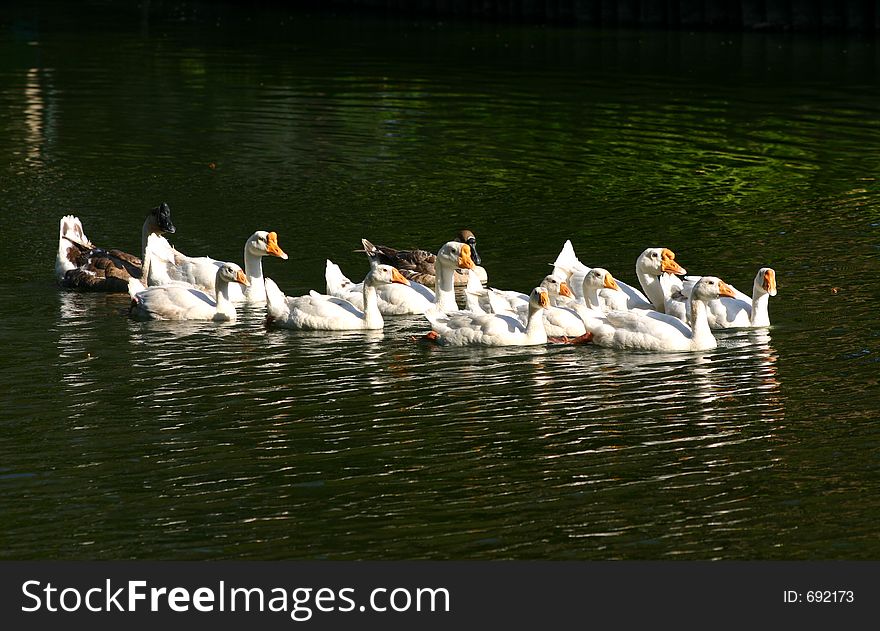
[321,312]
[650,264]
[392,298]
[82,266]
[452,256]
[654,331]
[653,265]
[601,291]
[467,329]
[419,265]
[558,290]
[738,311]
[167,266]
[175,302]
[560,319]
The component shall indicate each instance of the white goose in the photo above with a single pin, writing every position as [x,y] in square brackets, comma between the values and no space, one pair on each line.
[168,266]
[650,264]
[467,329]
[738,311]
[560,319]
[601,291]
[452,256]
[82,266]
[175,302]
[393,298]
[319,312]
[654,331]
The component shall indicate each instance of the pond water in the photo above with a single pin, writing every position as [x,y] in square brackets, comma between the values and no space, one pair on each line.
[125,439]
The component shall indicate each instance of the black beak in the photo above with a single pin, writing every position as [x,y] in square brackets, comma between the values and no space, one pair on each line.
[475,257]
[164,218]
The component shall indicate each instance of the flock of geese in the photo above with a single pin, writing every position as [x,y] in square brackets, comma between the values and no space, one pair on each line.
[574,304]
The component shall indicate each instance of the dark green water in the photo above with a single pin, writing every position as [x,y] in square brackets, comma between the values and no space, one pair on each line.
[123,439]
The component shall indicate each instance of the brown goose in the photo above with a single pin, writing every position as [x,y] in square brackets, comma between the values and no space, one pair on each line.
[83,267]
[418,265]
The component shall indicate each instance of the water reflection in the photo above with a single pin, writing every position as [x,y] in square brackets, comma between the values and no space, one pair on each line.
[38,117]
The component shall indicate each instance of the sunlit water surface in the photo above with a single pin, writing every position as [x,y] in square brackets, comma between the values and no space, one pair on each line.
[126,439]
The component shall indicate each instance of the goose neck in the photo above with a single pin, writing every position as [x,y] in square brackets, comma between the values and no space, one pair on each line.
[535,330]
[652,287]
[225,308]
[444,288]
[699,321]
[760,315]
[253,269]
[372,316]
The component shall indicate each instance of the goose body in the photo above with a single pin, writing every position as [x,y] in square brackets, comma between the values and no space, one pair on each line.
[167,266]
[420,265]
[81,266]
[655,331]
[463,328]
[320,312]
[176,302]
[729,312]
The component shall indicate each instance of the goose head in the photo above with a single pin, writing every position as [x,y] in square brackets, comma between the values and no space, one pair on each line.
[160,220]
[466,236]
[539,299]
[710,287]
[656,261]
[231,273]
[765,281]
[556,287]
[384,275]
[599,278]
[264,243]
[455,255]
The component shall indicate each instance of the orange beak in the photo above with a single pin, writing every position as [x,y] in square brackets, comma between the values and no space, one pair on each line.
[668,264]
[565,290]
[610,283]
[725,290]
[241,278]
[543,300]
[770,282]
[272,247]
[397,277]
[464,257]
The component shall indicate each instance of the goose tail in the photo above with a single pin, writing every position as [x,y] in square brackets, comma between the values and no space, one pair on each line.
[71,228]
[335,279]
[276,302]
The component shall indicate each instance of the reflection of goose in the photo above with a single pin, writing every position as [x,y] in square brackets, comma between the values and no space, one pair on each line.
[462,328]
[81,266]
[419,265]
[737,311]
[392,298]
[327,313]
[168,266]
[174,302]
[650,264]
[655,331]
